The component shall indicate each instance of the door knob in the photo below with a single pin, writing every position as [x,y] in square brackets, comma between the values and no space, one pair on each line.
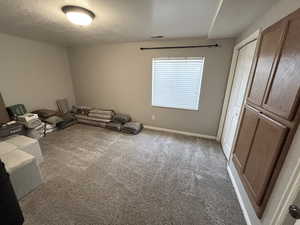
[294,212]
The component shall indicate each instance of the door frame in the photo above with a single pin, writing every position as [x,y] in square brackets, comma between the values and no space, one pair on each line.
[254,36]
[288,197]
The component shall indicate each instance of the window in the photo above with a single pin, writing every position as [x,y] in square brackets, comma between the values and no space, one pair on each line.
[176,82]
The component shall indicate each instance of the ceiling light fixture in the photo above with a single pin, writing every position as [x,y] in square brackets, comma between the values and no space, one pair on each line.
[78,15]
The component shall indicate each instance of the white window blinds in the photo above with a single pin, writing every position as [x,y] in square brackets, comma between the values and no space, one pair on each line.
[176,82]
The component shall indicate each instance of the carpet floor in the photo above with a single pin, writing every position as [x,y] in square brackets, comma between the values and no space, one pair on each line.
[93,176]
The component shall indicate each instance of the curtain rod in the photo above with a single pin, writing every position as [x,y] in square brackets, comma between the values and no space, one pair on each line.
[191,46]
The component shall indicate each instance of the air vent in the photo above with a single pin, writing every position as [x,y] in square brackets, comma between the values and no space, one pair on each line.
[157,37]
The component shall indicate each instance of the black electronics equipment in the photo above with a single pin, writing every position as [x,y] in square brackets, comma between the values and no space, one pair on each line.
[11,128]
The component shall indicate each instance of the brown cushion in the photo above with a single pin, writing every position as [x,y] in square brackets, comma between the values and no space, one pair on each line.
[45,113]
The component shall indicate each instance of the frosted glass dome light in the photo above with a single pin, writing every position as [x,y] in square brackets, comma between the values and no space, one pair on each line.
[79,15]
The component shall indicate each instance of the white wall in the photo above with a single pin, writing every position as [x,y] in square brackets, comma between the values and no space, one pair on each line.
[33,73]
[279,10]
[119,76]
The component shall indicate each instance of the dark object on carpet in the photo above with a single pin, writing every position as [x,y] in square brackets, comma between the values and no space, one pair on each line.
[102,111]
[91,116]
[82,110]
[10,211]
[83,117]
[53,120]
[67,122]
[16,110]
[65,113]
[117,126]
[11,129]
[37,132]
[91,122]
[45,113]
[29,120]
[101,114]
[121,118]
[60,122]
[132,128]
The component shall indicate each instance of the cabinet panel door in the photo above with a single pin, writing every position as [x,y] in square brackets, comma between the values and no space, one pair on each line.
[245,136]
[266,146]
[283,92]
[269,46]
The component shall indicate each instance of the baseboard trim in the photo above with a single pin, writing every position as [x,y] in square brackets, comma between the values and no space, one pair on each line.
[180,132]
[239,196]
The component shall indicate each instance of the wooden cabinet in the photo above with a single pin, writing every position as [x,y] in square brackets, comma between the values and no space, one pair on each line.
[265,149]
[257,149]
[245,137]
[272,113]
[283,91]
[270,41]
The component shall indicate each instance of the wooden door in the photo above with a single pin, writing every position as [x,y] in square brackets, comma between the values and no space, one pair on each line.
[265,149]
[282,97]
[268,50]
[245,137]
[237,95]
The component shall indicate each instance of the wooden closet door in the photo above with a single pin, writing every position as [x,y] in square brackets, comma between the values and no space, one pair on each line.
[265,149]
[283,93]
[265,135]
[268,49]
[246,133]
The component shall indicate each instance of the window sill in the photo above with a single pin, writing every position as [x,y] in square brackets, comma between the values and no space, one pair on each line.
[168,107]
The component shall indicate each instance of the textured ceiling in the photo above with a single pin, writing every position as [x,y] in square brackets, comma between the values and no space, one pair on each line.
[116,20]
[128,20]
[234,16]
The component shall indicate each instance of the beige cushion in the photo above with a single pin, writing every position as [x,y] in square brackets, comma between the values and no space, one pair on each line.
[16,159]
[20,140]
[6,148]
[28,145]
